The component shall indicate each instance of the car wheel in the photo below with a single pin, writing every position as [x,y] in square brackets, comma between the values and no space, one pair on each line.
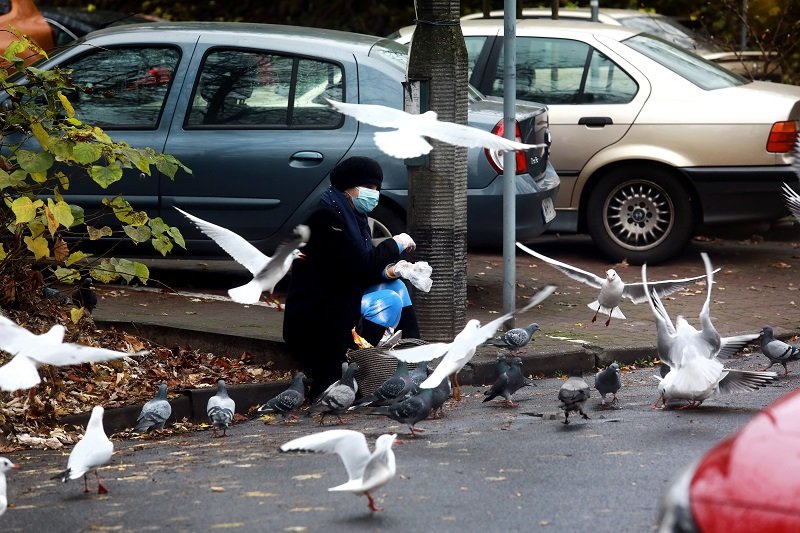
[639,213]
[383,223]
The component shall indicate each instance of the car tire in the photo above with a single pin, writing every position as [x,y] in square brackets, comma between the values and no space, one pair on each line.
[639,213]
[384,223]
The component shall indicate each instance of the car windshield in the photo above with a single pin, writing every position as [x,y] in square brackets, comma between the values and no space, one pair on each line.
[671,30]
[701,72]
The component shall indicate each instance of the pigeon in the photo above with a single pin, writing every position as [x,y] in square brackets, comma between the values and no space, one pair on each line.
[510,379]
[419,373]
[695,371]
[5,466]
[338,397]
[220,409]
[515,339]
[154,414]
[54,294]
[85,295]
[442,393]
[92,451]
[608,381]
[398,385]
[31,351]
[267,271]
[288,400]
[407,139]
[365,471]
[459,352]
[777,351]
[612,288]
[573,395]
[409,410]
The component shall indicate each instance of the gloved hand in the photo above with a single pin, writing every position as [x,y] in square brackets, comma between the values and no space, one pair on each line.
[419,273]
[404,242]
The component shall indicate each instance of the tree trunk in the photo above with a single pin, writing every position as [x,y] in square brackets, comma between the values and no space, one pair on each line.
[437,217]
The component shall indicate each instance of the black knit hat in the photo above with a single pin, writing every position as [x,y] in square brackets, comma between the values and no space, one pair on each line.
[355,172]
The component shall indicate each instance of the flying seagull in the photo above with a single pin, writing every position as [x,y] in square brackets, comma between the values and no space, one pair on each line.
[267,271]
[154,413]
[612,289]
[695,371]
[31,351]
[92,451]
[5,466]
[366,471]
[777,351]
[407,139]
[220,409]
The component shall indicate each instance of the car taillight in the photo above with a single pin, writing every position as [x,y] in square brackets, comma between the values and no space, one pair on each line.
[495,157]
[782,137]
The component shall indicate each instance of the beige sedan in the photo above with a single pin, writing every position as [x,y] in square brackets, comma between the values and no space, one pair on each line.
[651,142]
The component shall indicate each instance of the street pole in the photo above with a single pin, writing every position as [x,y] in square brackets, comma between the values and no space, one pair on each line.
[509,157]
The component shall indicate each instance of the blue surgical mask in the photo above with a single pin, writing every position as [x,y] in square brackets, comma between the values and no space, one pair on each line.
[366,200]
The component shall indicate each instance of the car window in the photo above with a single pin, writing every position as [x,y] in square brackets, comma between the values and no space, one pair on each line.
[123,87]
[238,88]
[474,47]
[670,30]
[564,71]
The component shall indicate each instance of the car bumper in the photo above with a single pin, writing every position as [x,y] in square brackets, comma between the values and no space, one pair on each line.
[736,195]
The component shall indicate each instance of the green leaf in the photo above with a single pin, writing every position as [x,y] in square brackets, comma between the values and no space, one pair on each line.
[24,209]
[125,268]
[63,214]
[142,272]
[77,214]
[67,275]
[12,49]
[9,180]
[162,244]
[62,149]
[104,273]
[76,256]
[125,213]
[167,167]
[86,153]
[176,235]
[35,162]
[137,234]
[105,176]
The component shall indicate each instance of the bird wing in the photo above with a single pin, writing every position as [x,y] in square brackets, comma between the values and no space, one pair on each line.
[400,144]
[75,354]
[19,373]
[234,244]
[418,354]
[708,332]
[461,135]
[745,380]
[350,446]
[574,272]
[375,115]
[298,238]
[792,198]
[665,329]
[635,291]
[731,345]
[92,451]
[15,338]
[156,410]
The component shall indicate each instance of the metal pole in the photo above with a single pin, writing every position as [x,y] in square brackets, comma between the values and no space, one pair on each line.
[595,7]
[743,38]
[509,161]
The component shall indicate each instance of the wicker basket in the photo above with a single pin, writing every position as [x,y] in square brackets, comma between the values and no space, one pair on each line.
[374,368]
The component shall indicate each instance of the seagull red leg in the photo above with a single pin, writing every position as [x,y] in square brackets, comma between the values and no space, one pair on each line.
[372,506]
[101,489]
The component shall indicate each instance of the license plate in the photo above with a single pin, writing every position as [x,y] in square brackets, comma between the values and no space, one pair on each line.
[548,210]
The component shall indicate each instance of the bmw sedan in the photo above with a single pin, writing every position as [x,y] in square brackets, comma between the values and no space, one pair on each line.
[244,107]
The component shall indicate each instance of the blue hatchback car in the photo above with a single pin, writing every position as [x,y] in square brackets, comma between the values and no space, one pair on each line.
[243,106]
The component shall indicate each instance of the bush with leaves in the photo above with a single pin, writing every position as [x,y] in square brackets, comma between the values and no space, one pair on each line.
[38,225]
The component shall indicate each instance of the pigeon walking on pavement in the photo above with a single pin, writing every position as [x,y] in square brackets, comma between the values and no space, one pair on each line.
[267,271]
[695,371]
[573,395]
[288,400]
[419,373]
[90,453]
[338,397]
[154,413]
[408,410]
[509,380]
[85,295]
[612,288]
[515,339]
[442,393]
[608,381]
[777,351]
[366,471]
[407,140]
[31,351]
[398,385]
[220,409]
[5,466]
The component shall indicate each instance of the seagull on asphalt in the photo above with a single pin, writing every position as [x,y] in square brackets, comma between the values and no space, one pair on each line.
[5,466]
[288,400]
[777,351]
[338,397]
[90,453]
[509,380]
[396,386]
[573,395]
[459,352]
[267,271]
[407,139]
[409,410]
[515,339]
[608,381]
[612,289]
[154,413]
[366,471]
[220,409]
[31,351]
[695,371]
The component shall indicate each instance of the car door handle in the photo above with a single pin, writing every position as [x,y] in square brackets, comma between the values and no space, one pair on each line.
[305,159]
[594,122]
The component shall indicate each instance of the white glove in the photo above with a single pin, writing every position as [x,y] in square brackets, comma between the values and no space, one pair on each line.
[419,273]
[405,242]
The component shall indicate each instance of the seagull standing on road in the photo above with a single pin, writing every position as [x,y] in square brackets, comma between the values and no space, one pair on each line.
[267,271]
[408,138]
[220,409]
[5,466]
[612,289]
[777,351]
[154,413]
[365,471]
[92,451]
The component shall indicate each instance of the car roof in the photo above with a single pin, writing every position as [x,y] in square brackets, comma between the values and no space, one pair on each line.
[556,27]
[571,12]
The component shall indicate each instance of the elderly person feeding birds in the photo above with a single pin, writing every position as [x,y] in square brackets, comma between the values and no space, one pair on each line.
[345,281]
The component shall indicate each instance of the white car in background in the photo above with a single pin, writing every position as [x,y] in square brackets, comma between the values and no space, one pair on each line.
[651,142]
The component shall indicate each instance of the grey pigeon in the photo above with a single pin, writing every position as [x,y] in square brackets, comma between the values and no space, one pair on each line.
[398,385]
[338,397]
[85,296]
[509,380]
[288,400]
[515,339]
[441,394]
[154,413]
[573,395]
[419,373]
[608,381]
[54,294]
[220,409]
[777,351]
[409,410]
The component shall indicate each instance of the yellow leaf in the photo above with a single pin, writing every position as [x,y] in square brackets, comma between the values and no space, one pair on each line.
[38,246]
[75,314]
[67,105]
[259,494]
[228,525]
[98,233]
[52,223]
[40,134]
[24,209]
[302,477]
